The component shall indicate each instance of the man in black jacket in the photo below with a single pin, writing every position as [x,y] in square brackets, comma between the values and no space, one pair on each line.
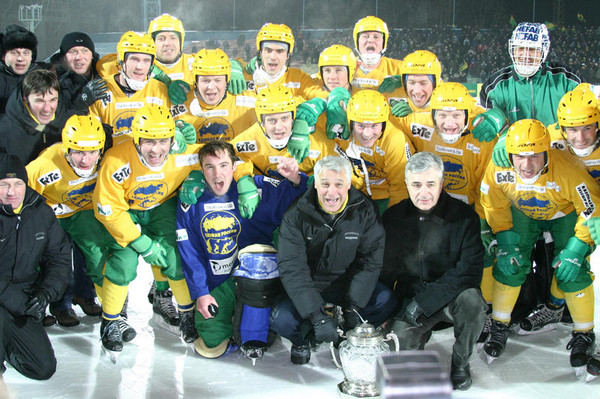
[434,261]
[330,252]
[35,269]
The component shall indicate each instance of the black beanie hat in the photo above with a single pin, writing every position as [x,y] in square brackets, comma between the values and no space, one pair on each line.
[16,36]
[11,167]
[76,39]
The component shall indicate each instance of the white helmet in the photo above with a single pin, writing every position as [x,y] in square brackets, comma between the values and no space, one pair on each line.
[531,38]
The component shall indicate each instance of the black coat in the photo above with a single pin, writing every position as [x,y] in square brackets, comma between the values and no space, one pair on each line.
[36,252]
[9,81]
[342,257]
[71,84]
[432,257]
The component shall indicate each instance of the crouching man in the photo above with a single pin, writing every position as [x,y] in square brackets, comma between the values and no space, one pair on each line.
[330,251]
[434,260]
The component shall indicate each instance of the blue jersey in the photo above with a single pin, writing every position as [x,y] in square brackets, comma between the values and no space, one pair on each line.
[211,232]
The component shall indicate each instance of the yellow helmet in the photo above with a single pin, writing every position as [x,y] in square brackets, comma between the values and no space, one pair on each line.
[273,100]
[211,62]
[451,96]
[166,23]
[338,55]
[152,122]
[421,62]
[578,108]
[83,133]
[371,24]
[135,42]
[275,32]
[368,106]
[527,137]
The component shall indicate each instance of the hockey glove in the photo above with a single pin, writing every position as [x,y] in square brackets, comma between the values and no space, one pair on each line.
[35,306]
[570,259]
[324,326]
[400,109]
[192,187]
[178,91]
[152,252]
[96,89]
[499,154]
[309,111]
[252,65]
[179,145]
[508,255]
[337,119]
[159,75]
[299,142]
[237,83]
[487,237]
[351,318]
[390,84]
[489,124]
[188,131]
[594,225]
[248,198]
[412,313]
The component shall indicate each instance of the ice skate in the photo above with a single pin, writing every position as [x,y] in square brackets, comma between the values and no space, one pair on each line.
[128,333]
[254,350]
[582,346]
[152,292]
[187,326]
[112,342]
[593,368]
[496,343]
[485,333]
[543,318]
[164,307]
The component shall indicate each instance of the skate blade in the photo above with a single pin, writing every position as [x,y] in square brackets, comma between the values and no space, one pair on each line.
[479,346]
[490,359]
[580,371]
[253,361]
[112,355]
[546,328]
[159,322]
[590,377]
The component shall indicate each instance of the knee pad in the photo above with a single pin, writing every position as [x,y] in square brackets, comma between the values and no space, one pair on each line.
[257,277]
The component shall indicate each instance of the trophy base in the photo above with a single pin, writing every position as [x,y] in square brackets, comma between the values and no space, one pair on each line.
[349,390]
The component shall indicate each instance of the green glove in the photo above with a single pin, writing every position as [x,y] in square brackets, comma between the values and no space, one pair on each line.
[487,237]
[159,75]
[400,109]
[179,145]
[335,96]
[152,252]
[310,181]
[299,143]
[390,84]
[508,255]
[178,91]
[337,119]
[192,187]
[188,131]
[310,110]
[335,130]
[594,225]
[499,154]
[570,259]
[252,65]
[237,83]
[248,198]
[489,124]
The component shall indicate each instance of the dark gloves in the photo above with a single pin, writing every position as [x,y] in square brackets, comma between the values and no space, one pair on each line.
[96,89]
[351,319]
[35,306]
[324,326]
[412,313]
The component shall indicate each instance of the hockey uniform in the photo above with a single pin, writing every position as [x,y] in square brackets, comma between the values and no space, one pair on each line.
[180,70]
[298,81]
[592,161]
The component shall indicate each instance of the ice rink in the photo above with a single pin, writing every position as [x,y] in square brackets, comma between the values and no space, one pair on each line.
[157,364]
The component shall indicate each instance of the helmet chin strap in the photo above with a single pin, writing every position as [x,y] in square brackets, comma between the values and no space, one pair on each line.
[278,144]
[83,172]
[371,59]
[584,152]
[146,164]
[134,85]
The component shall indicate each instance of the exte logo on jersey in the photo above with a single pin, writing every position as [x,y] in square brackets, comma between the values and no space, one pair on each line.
[178,109]
[122,174]
[586,198]
[423,131]
[246,146]
[50,177]
[505,177]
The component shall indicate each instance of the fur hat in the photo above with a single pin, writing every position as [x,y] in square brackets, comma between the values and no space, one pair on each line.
[16,36]
[11,167]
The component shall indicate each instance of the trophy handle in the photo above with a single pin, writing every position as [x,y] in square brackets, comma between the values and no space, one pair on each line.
[334,357]
[392,335]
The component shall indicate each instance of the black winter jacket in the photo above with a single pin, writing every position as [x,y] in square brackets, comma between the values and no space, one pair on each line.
[9,81]
[432,257]
[342,257]
[36,252]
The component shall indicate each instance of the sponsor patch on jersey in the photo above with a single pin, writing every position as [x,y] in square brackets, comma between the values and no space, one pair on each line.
[473,148]
[448,150]
[222,267]
[423,131]
[181,235]
[186,160]
[51,177]
[292,85]
[559,145]
[129,105]
[154,100]
[553,186]
[591,162]
[273,182]
[178,110]
[158,176]
[505,177]
[61,209]
[225,206]
[220,231]
[184,207]
[274,159]
[586,198]
[104,210]
[314,154]
[93,176]
[216,112]
[122,174]
[177,76]
[530,187]
[485,188]
[246,146]
[364,82]
[407,151]
[455,174]
[379,150]
[245,101]
[365,150]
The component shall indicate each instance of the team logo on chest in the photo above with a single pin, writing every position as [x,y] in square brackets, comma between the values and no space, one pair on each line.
[149,194]
[220,231]
[455,174]
[79,196]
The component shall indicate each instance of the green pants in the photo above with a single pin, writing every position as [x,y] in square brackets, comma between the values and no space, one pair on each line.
[530,230]
[158,224]
[93,240]
[218,329]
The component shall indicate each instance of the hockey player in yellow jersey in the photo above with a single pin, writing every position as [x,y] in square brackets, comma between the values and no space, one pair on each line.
[544,190]
[377,150]
[168,35]
[131,88]
[137,185]
[214,113]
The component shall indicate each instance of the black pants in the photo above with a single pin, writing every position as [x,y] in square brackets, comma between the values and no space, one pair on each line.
[467,312]
[26,346]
